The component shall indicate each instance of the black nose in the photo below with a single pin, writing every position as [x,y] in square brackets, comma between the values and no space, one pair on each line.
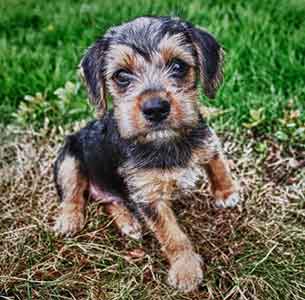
[156,109]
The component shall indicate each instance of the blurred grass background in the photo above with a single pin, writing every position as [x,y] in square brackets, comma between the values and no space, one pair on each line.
[42,42]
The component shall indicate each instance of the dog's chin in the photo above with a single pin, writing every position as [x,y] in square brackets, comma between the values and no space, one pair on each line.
[158,136]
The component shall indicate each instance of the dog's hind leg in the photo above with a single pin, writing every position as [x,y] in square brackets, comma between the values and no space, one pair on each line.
[123,217]
[124,220]
[71,184]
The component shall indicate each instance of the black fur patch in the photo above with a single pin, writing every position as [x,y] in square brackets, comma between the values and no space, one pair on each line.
[93,65]
[150,211]
[103,152]
[169,154]
[210,51]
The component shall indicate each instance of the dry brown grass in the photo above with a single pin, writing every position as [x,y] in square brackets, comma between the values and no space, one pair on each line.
[253,252]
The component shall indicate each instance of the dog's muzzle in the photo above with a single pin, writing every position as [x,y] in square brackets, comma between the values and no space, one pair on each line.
[156,109]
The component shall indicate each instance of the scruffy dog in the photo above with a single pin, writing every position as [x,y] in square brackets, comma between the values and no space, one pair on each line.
[153,144]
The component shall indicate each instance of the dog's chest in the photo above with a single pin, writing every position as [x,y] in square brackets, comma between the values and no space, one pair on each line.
[167,184]
[187,178]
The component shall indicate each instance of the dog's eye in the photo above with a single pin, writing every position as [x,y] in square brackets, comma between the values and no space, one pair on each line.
[178,68]
[122,78]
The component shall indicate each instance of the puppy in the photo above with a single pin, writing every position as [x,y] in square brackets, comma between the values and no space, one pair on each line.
[154,143]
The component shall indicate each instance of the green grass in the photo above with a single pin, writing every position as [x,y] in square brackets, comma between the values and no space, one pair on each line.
[42,43]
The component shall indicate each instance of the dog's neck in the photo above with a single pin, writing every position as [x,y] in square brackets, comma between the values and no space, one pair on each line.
[168,153]
[164,153]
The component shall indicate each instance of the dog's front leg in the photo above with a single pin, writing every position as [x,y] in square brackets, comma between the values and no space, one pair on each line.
[185,265]
[223,187]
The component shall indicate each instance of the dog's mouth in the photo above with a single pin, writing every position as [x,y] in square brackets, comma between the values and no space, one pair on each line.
[158,135]
[161,134]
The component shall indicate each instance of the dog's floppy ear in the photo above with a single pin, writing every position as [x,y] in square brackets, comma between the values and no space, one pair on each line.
[210,59]
[92,71]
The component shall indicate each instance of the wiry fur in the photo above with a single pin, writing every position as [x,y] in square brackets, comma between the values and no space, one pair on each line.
[135,166]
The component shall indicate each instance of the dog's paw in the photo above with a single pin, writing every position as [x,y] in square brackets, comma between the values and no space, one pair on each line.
[186,274]
[69,222]
[231,201]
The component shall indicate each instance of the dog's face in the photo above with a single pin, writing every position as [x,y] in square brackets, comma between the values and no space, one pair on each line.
[150,67]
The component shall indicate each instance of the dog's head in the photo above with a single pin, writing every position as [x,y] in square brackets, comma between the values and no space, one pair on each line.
[150,67]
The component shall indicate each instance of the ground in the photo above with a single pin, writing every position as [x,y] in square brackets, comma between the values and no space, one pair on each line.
[254,251]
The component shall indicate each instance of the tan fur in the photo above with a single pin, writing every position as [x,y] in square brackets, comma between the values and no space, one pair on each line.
[70,179]
[121,57]
[172,47]
[71,218]
[124,220]
[222,184]
[174,242]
